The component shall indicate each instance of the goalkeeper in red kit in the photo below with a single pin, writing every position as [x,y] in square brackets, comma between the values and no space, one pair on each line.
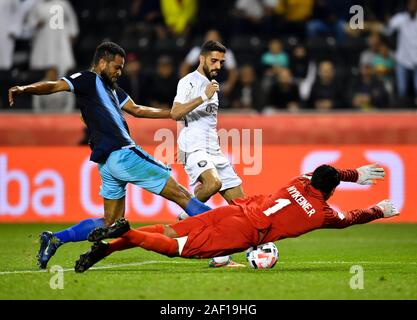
[295,209]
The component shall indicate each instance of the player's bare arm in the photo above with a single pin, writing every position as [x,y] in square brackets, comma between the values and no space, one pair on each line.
[179,110]
[38,88]
[139,111]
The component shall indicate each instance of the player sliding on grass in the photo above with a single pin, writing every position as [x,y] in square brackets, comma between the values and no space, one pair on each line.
[293,210]
[119,160]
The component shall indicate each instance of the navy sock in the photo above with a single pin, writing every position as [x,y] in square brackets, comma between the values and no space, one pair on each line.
[195,207]
[80,231]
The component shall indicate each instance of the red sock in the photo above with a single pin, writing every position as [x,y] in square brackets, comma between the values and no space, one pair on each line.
[119,244]
[124,244]
[153,241]
[156,228]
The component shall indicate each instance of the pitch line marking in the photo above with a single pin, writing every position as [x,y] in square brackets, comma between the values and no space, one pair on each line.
[98,268]
[133,264]
[349,262]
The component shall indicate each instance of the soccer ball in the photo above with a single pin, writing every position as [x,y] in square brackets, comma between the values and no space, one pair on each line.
[264,256]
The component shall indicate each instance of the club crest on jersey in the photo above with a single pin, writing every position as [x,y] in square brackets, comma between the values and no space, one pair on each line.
[202,163]
[211,108]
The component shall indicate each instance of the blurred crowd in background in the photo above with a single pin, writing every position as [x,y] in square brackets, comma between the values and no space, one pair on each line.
[283,55]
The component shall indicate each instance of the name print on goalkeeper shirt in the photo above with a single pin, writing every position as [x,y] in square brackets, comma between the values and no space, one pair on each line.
[296,195]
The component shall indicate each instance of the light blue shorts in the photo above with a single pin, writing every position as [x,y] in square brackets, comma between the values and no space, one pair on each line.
[133,165]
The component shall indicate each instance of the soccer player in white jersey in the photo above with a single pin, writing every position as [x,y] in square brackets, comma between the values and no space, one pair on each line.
[197,103]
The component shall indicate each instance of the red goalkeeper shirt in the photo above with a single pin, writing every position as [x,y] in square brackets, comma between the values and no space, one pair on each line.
[299,208]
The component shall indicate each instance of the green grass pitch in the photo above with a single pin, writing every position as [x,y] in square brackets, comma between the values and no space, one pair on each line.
[318,265]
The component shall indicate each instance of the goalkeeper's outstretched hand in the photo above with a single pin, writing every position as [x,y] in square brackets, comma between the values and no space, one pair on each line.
[388,208]
[369,174]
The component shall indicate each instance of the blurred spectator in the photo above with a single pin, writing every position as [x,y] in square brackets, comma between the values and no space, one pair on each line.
[209,17]
[284,93]
[53,39]
[405,23]
[147,14]
[273,60]
[247,94]
[380,57]
[383,64]
[148,11]
[133,80]
[293,16]
[383,60]
[25,7]
[380,10]
[9,31]
[276,56]
[228,82]
[304,71]
[253,16]
[179,15]
[367,56]
[326,93]
[295,10]
[328,19]
[62,102]
[367,92]
[299,63]
[163,85]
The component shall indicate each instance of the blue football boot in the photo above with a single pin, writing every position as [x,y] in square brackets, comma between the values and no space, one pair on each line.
[48,246]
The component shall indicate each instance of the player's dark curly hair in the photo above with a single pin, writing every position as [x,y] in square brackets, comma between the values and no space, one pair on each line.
[108,50]
[325,178]
[210,46]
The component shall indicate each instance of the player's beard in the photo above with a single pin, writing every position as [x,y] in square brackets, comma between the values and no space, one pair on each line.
[207,72]
[108,80]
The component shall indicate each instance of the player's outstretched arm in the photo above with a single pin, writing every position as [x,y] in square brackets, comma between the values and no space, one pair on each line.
[365,175]
[145,112]
[38,88]
[335,219]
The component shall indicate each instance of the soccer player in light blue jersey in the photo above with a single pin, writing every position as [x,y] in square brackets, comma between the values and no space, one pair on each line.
[119,159]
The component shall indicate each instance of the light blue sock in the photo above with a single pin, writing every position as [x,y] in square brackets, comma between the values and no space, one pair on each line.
[80,231]
[195,207]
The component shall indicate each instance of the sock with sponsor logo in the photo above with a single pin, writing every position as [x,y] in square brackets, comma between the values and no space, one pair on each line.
[195,207]
[80,231]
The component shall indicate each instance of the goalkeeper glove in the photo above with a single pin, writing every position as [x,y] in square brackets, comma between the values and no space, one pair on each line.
[388,209]
[369,173]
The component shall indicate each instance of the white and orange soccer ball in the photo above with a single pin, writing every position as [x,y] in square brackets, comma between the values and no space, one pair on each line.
[264,256]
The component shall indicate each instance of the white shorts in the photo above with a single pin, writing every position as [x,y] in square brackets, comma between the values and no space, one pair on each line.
[199,161]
